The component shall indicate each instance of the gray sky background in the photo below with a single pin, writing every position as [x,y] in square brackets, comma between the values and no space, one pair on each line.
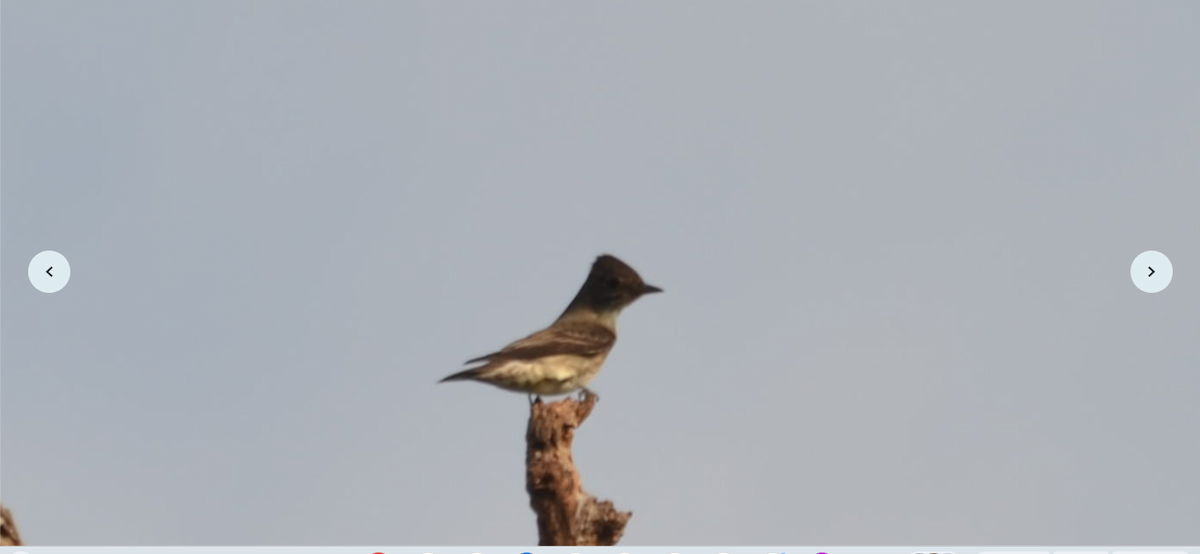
[895,240]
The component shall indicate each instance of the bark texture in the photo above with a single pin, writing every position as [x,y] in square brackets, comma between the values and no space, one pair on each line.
[8,529]
[566,515]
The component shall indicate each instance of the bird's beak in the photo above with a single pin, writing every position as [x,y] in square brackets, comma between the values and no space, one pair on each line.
[647,289]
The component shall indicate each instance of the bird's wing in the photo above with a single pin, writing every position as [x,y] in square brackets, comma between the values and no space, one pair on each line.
[570,338]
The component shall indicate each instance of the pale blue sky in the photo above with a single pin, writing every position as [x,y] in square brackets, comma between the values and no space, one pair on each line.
[895,240]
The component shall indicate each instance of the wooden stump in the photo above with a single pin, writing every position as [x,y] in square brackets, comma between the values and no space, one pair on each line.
[8,529]
[566,515]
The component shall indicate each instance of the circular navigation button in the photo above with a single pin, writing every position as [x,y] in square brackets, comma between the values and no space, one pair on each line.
[49,271]
[1151,271]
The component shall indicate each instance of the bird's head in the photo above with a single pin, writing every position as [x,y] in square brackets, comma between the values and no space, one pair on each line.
[612,285]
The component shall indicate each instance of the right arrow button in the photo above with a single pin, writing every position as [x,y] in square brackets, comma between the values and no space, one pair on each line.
[1156,280]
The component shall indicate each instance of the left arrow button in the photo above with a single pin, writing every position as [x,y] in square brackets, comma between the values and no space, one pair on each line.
[56,274]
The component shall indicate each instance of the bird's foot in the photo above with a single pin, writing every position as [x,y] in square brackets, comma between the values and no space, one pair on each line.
[534,399]
[586,395]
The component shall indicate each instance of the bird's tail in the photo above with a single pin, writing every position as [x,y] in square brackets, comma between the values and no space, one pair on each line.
[463,375]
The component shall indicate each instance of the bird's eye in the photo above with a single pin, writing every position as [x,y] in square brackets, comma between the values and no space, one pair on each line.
[613,282]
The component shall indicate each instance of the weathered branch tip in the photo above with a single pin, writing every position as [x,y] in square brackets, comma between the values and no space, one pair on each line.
[566,515]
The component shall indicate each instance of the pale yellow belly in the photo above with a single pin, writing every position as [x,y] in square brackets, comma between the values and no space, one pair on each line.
[548,376]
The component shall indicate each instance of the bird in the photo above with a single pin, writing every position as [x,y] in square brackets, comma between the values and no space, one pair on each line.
[564,357]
